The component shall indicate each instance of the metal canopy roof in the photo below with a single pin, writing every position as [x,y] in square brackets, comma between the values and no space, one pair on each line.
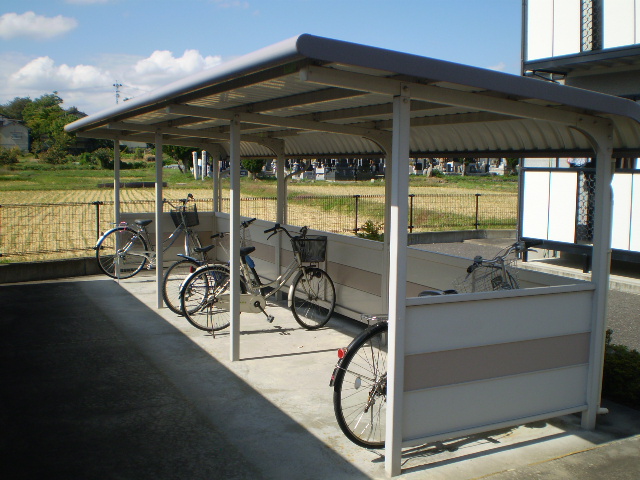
[314,96]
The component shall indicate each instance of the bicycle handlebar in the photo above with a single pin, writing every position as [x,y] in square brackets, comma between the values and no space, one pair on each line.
[246,223]
[277,227]
[183,201]
[499,259]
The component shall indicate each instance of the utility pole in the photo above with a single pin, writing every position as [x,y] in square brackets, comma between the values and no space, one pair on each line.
[117,85]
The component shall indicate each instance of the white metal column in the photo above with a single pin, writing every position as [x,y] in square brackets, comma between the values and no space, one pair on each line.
[234,227]
[159,259]
[281,209]
[116,181]
[215,174]
[397,280]
[602,137]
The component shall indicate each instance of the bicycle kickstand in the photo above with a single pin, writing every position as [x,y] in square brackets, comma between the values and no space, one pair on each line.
[269,317]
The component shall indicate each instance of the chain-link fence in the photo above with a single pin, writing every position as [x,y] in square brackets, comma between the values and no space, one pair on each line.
[30,232]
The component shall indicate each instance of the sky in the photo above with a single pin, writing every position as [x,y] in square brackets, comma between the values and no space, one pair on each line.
[82,48]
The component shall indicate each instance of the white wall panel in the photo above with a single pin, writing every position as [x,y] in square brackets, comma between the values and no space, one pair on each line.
[634,242]
[535,209]
[460,321]
[562,206]
[449,411]
[621,224]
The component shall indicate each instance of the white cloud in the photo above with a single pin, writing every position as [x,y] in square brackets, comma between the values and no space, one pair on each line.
[163,67]
[29,24]
[90,87]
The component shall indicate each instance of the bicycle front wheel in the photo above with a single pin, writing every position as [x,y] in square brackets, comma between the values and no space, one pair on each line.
[314,298]
[360,388]
[205,298]
[173,281]
[121,252]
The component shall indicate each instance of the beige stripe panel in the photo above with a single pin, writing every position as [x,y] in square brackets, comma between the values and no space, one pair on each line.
[437,369]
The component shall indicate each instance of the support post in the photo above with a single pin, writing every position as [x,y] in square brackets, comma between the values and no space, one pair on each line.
[234,227]
[215,174]
[116,181]
[601,137]
[159,204]
[281,207]
[397,280]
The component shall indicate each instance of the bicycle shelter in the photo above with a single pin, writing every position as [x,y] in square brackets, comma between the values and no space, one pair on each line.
[456,367]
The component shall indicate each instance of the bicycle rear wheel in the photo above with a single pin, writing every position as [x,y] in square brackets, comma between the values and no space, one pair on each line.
[360,388]
[205,300]
[121,253]
[314,298]
[173,280]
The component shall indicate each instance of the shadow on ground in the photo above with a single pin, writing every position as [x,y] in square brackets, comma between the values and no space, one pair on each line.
[82,397]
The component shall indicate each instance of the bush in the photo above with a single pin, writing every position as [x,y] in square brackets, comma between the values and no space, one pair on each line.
[371,231]
[104,157]
[9,156]
[55,155]
[138,153]
[621,376]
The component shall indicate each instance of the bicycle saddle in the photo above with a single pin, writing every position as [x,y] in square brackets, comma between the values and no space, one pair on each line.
[143,223]
[244,251]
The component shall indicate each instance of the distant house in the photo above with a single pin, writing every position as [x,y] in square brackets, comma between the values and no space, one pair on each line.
[13,133]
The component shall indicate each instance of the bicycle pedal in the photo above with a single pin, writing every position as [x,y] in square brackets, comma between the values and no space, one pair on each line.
[270,318]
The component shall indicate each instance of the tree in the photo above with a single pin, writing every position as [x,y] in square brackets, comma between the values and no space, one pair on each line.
[46,120]
[182,155]
[15,107]
[512,165]
[253,165]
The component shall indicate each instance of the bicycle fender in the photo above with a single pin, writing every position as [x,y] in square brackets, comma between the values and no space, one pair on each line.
[187,257]
[114,229]
[291,292]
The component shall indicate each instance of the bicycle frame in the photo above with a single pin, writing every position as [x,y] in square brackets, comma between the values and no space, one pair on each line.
[150,254]
[255,284]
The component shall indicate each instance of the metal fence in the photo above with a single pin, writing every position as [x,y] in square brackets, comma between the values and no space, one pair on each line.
[30,232]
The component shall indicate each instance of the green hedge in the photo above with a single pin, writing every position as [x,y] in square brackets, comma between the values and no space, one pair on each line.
[621,377]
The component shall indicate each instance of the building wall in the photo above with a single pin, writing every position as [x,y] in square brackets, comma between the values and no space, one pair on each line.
[13,134]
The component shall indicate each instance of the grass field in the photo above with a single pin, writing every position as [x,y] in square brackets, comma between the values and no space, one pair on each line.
[32,182]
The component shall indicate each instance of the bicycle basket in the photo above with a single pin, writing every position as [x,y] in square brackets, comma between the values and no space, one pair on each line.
[311,248]
[190,215]
[489,278]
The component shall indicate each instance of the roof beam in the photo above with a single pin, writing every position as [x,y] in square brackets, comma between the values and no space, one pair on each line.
[274,121]
[444,96]
[307,98]
[182,132]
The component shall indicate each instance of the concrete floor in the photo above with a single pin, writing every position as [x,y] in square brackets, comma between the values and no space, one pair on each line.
[99,384]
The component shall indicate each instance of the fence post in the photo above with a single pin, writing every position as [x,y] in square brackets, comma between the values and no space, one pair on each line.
[477,198]
[97,204]
[355,229]
[411,195]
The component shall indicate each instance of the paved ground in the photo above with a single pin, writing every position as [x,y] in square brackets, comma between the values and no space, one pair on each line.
[97,384]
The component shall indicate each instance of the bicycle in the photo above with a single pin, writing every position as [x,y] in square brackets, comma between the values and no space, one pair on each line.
[179,271]
[359,379]
[312,299]
[126,249]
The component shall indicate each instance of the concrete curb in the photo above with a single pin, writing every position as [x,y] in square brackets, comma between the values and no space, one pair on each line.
[48,270]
